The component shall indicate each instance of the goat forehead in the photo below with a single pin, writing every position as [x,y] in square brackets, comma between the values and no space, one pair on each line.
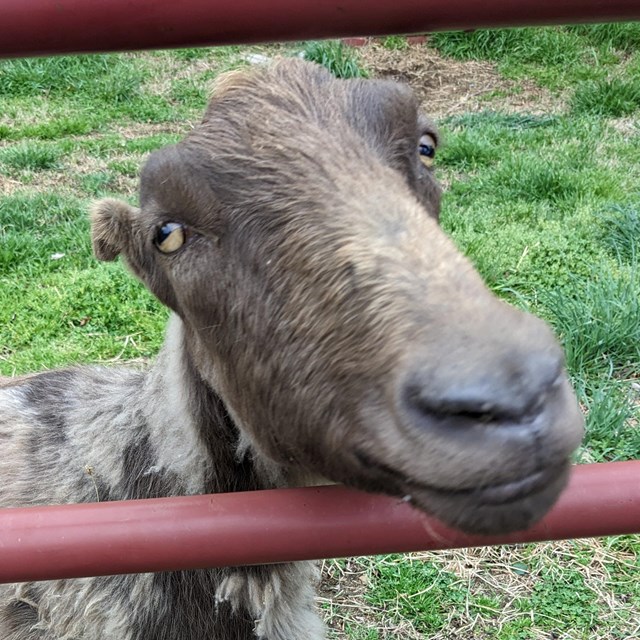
[282,140]
[261,170]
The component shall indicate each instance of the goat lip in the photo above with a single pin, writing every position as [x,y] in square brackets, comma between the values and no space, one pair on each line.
[500,494]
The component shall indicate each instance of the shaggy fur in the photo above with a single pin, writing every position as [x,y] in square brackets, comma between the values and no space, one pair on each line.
[324,328]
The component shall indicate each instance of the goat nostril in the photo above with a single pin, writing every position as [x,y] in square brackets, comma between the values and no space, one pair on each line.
[460,402]
[512,393]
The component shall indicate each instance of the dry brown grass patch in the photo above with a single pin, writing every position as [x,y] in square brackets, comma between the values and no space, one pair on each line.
[445,86]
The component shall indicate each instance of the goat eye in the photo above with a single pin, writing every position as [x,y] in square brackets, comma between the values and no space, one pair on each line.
[427,150]
[170,237]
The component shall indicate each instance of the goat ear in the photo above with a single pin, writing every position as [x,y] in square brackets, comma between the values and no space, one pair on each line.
[110,225]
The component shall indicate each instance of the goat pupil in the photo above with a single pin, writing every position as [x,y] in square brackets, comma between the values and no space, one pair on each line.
[427,150]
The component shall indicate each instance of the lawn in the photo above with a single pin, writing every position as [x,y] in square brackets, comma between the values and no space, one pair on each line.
[541,132]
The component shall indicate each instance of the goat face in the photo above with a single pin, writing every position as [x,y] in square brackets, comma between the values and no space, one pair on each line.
[295,233]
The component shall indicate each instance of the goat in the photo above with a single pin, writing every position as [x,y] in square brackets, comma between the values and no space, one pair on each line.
[324,329]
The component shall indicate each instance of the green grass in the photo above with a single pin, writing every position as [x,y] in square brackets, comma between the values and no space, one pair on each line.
[395,43]
[66,125]
[29,155]
[621,36]
[421,591]
[613,97]
[104,77]
[549,47]
[621,231]
[50,98]
[598,317]
[38,225]
[335,56]
[79,315]
[524,196]
[57,304]
[547,207]
[553,57]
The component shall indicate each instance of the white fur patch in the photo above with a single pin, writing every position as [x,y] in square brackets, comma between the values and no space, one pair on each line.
[281,603]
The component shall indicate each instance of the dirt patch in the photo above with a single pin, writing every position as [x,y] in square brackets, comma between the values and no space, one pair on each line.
[445,87]
[629,127]
[8,186]
[134,130]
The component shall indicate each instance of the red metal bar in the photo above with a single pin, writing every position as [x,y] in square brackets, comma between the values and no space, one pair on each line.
[42,543]
[39,27]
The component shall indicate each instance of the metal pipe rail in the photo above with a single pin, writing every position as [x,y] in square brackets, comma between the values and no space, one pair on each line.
[44,27]
[257,527]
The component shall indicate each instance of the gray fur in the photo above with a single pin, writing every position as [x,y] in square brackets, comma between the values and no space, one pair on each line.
[82,434]
[324,329]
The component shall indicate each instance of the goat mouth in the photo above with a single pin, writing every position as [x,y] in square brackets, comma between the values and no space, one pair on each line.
[504,493]
[493,495]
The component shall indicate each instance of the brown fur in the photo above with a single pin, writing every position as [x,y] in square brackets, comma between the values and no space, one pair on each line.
[324,327]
